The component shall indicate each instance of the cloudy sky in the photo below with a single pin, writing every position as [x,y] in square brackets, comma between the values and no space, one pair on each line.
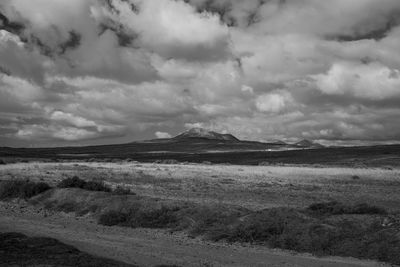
[83,72]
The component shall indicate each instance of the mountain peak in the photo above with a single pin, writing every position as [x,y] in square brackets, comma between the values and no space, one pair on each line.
[308,143]
[203,133]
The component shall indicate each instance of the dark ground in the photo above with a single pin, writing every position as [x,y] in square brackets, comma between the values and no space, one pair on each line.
[20,250]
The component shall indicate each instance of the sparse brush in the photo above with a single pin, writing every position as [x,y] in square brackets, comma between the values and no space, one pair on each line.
[76,182]
[21,189]
[96,186]
[157,218]
[123,191]
[72,182]
[113,217]
[336,208]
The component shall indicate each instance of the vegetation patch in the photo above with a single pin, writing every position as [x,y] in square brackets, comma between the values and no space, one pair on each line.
[336,208]
[21,189]
[321,229]
[76,182]
[119,190]
[167,161]
[164,217]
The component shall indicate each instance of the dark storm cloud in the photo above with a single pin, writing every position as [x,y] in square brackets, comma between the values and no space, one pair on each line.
[117,70]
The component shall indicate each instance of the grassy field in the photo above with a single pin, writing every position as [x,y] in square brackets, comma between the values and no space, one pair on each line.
[253,187]
[325,211]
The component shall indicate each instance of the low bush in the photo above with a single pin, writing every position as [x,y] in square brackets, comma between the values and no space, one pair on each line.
[135,217]
[21,189]
[76,182]
[3,162]
[364,208]
[119,190]
[167,161]
[323,229]
[96,186]
[112,217]
[337,208]
[72,182]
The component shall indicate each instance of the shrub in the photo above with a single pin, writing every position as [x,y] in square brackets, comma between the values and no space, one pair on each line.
[21,189]
[336,208]
[112,217]
[73,182]
[67,207]
[364,208]
[123,191]
[267,225]
[96,186]
[158,218]
[211,222]
[3,162]
[76,182]
[31,189]
[299,230]
[166,161]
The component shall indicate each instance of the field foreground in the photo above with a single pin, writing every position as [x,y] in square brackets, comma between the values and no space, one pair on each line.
[146,247]
[241,197]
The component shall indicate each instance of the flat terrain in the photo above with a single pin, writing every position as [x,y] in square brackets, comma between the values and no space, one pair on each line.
[215,151]
[251,187]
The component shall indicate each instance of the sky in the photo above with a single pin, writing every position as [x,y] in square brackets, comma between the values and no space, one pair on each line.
[82,72]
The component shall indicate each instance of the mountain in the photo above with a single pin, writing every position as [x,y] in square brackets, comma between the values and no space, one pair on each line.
[308,144]
[205,134]
[279,142]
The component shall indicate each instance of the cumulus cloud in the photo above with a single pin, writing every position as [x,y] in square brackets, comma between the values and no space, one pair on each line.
[174,29]
[273,102]
[107,71]
[162,135]
[373,81]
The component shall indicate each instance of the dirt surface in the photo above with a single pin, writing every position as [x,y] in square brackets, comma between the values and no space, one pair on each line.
[149,247]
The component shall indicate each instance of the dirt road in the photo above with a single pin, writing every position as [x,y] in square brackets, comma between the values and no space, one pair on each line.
[150,247]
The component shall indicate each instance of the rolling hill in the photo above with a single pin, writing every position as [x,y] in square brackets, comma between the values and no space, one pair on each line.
[197,145]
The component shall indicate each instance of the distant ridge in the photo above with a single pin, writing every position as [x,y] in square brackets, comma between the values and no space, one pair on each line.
[203,133]
[308,144]
[279,142]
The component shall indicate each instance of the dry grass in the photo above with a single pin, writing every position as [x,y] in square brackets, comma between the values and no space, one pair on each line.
[253,187]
